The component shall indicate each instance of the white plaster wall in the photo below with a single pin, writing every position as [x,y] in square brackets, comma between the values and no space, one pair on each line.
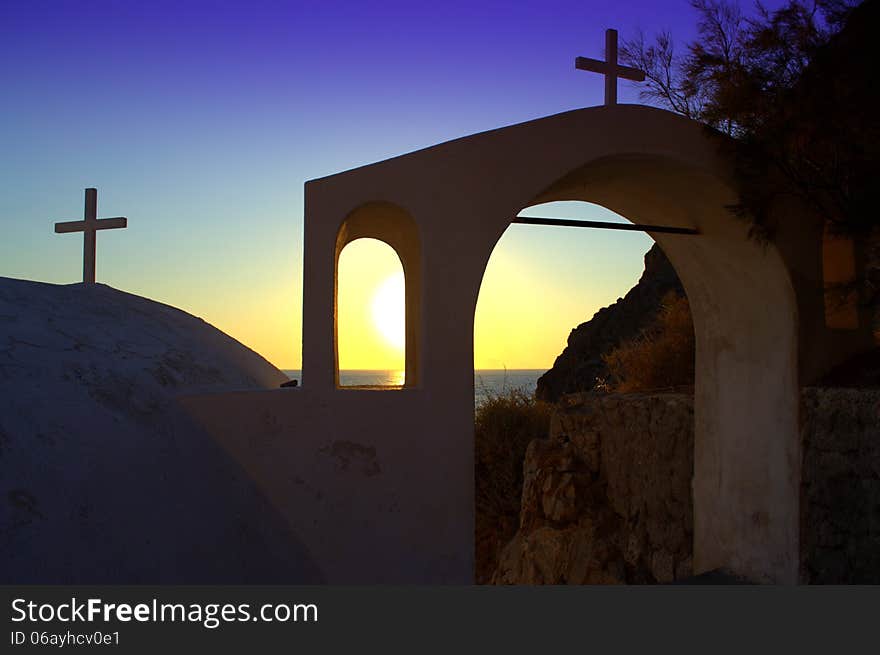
[377,493]
[654,167]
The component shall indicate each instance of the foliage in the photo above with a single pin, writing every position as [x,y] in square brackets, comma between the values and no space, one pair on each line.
[661,357]
[793,87]
[505,424]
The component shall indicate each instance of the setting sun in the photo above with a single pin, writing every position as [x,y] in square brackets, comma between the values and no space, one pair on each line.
[389,310]
[370,307]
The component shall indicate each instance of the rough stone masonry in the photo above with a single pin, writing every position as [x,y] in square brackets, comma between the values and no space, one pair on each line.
[607,497]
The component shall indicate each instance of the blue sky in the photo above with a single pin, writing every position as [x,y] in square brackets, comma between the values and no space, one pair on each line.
[200,122]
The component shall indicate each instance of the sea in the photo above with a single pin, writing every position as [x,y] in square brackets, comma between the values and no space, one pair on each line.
[487,382]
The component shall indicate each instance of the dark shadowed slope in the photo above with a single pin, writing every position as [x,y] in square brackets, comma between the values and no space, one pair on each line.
[102,478]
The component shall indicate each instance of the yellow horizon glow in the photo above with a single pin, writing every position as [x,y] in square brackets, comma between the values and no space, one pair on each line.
[539,284]
[389,310]
[370,309]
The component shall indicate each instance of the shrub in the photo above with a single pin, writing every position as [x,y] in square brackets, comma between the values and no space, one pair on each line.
[661,357]
[504,426]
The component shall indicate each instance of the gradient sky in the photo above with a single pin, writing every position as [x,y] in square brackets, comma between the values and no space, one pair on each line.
[200,122]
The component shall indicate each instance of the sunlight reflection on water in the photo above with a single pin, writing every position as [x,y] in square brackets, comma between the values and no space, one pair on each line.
[487,382]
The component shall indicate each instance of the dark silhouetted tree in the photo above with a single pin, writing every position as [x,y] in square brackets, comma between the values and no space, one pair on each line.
[794,89]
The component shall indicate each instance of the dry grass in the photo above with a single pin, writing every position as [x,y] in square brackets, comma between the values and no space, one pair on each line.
[505,424]
[661,357]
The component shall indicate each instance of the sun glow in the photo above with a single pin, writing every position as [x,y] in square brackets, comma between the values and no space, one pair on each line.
[370,307]
[389,310]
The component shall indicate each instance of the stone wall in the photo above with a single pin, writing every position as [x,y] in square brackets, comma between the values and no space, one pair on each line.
[840,526]
[607,497]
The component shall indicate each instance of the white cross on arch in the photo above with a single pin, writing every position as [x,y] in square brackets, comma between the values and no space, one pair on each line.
[89,227]
[610,68]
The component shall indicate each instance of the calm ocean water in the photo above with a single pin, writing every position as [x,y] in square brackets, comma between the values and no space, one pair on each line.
[486,381]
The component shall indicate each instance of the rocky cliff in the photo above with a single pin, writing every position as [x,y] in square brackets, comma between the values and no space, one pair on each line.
[580,365]
[103,479]
[607,497]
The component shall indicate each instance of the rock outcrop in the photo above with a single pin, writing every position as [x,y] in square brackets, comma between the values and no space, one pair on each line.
[580,365]
[104,479]
[607,497]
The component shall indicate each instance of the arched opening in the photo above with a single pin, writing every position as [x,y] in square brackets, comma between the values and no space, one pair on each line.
[745,463]
[371,319]
[383,252]
[541,282]
[565,300]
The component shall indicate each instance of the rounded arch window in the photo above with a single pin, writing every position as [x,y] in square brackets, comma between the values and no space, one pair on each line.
[378,297]
[371,315]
